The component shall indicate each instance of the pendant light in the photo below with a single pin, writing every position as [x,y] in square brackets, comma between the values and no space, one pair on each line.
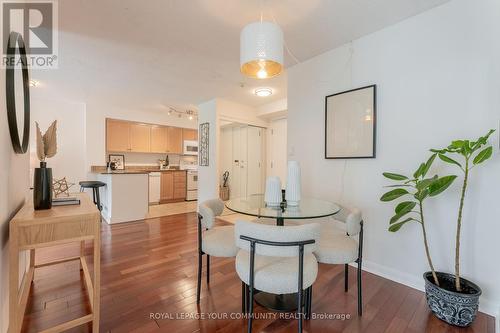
[261,50]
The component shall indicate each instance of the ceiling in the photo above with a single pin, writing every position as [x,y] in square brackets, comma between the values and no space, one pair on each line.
[158,53]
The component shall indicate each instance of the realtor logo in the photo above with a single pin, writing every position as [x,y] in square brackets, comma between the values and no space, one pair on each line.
[36,22]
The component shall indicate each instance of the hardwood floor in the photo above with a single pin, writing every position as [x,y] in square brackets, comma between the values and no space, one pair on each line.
[149,275]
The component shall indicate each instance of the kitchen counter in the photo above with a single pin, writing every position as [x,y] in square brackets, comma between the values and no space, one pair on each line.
[125,196]
[125,172]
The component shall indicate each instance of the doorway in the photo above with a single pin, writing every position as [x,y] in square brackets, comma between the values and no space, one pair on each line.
[242,154]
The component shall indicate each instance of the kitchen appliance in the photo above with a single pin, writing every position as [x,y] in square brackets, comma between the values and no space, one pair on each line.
[154,187]
[190,147]
[192,185]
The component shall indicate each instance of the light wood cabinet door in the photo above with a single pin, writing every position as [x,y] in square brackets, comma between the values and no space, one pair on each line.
[189,134]
[117,136]
[174,140]
[180,185]
[159,139]
[167,186]
[140,138]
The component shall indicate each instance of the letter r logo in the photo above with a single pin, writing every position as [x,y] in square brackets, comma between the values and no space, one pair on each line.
[34,21]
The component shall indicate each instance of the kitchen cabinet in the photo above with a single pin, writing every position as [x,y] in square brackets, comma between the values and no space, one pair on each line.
[173,186]
[129,136]
[189,134]
[180,186]
[117,135]
[140,138]
[167,186]
[174,140]
[159,139]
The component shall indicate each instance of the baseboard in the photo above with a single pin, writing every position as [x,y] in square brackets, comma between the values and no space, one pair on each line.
[416,282]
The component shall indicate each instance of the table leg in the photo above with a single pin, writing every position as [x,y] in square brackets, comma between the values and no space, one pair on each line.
[281,303]
[280,221]
[13,282]
[82,253]
[97,279]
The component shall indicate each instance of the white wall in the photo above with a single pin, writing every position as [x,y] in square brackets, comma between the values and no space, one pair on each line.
[96,126]
[438,78]
[14,179]
[69,161]
[239,113]
[274,109]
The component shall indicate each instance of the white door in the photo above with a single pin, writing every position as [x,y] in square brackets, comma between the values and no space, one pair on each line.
[277,149]
[239,179]
[255,160]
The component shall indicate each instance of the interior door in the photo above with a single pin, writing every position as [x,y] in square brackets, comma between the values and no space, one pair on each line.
[277,146]
[239,180]
[255,161]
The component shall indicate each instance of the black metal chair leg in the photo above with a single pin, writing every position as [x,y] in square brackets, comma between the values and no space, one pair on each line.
[300,312]
[243,297]
[208,269]
[306,304]
[98,199]
[251,286]
[309,303]
[346,277]
[360,301]
[198,288]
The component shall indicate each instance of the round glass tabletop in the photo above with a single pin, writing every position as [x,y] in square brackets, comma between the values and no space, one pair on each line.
[308,208]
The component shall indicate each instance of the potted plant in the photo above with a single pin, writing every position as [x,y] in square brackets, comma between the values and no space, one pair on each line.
[415,190]
[450,297]
[456,300]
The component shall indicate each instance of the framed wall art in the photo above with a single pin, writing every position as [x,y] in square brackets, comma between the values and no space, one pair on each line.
[204,144]
[350,124]
[119,161]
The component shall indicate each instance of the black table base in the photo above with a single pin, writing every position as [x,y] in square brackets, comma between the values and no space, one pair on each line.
[280,303]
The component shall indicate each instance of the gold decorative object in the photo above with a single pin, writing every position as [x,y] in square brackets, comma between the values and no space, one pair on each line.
[61,187]
[46,144]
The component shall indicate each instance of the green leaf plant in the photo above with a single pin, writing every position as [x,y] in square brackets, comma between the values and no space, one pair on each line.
[413,191]
[471,154]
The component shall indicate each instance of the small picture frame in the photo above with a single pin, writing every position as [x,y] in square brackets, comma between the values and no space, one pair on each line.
[119,161]
[350,124]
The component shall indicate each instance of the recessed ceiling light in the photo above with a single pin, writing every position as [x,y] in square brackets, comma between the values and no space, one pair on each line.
[33,83]
[263,92]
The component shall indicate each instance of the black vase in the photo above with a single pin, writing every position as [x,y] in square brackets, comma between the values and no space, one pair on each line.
[42,187]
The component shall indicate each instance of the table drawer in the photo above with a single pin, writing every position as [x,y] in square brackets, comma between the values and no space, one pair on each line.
[53,233]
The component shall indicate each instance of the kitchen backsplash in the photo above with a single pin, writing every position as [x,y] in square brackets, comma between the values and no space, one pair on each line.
[150,161]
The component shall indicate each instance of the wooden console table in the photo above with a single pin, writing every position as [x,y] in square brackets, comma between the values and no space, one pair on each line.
[30,230]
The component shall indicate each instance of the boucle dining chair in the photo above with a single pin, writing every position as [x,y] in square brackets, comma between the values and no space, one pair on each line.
[212,241]
[341,248]
[277,260]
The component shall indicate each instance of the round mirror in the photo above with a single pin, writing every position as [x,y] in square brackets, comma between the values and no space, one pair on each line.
[18,93]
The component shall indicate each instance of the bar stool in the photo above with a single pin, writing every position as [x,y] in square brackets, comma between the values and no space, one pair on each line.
[94,185]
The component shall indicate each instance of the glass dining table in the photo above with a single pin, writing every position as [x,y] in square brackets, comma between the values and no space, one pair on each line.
[308,208]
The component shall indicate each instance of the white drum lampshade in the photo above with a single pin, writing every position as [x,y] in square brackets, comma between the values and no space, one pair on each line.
[261,50]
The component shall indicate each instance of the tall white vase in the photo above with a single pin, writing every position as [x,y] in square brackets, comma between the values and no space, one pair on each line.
[293,186]
[272,196]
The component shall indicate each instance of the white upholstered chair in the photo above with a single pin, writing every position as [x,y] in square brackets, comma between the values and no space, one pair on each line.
[277,260]
[212,240]
[341,248]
